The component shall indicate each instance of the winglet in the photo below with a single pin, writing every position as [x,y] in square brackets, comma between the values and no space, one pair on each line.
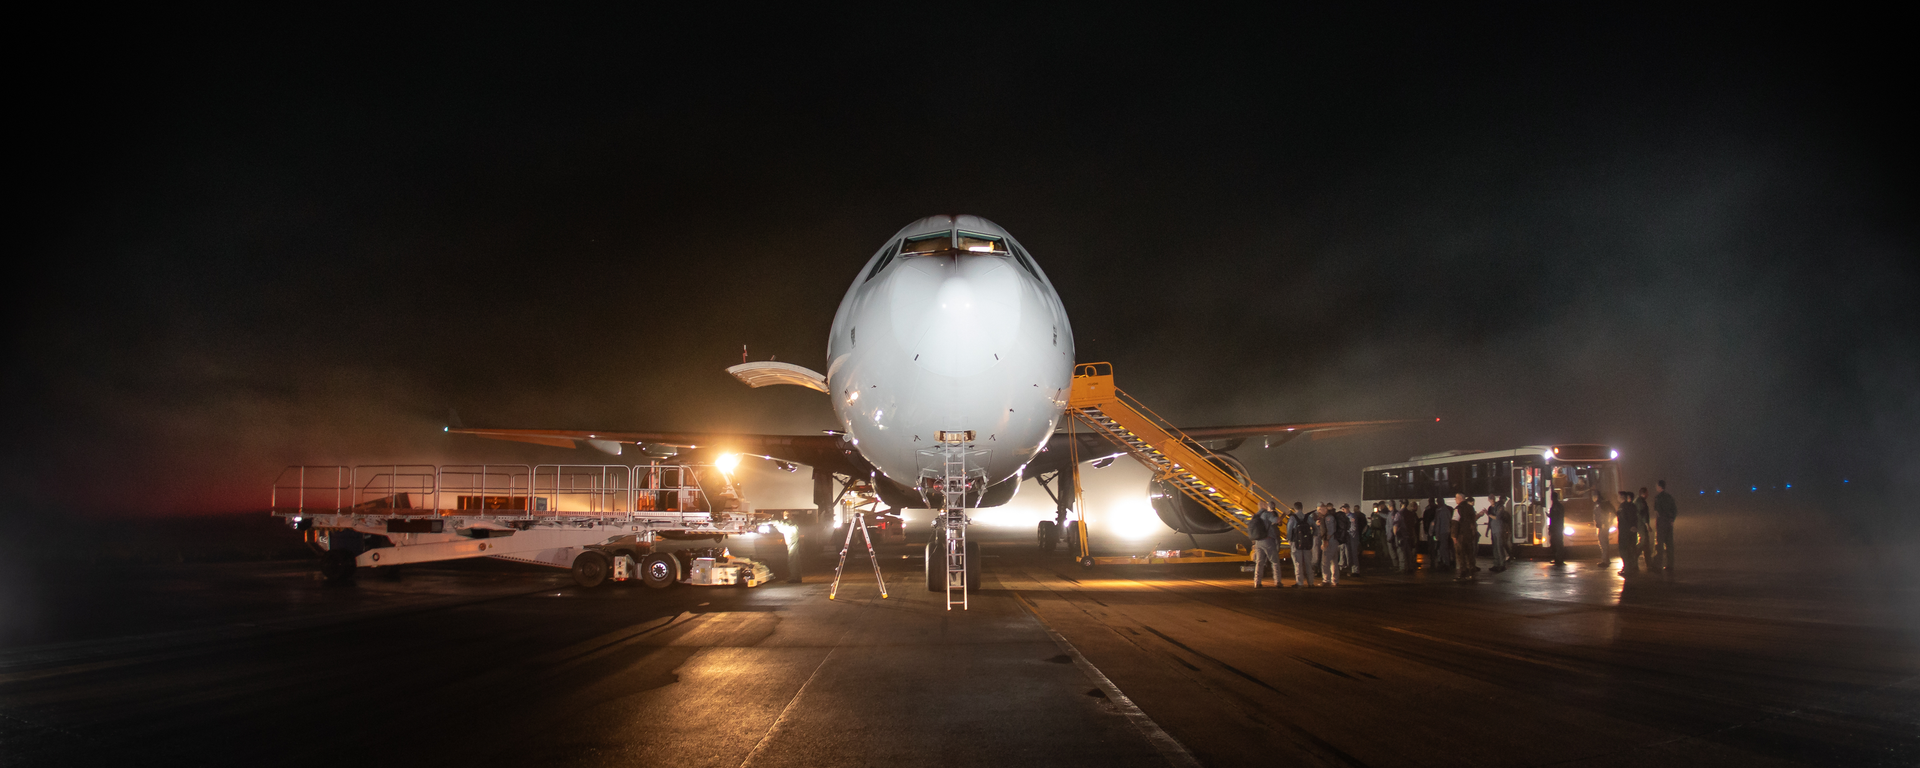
[767,373]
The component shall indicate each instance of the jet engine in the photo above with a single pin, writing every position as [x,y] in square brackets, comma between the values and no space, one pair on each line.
[1180,512]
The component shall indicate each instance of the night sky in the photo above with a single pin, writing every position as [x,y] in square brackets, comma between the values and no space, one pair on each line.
[254,242]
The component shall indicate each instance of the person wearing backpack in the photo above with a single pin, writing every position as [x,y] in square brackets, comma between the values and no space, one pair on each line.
[1300,539]
[1264,529]
[1328,532]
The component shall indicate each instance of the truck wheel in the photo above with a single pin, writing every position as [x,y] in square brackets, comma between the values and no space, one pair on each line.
[337,566]
[660,570]
[590,568]
[1087,563]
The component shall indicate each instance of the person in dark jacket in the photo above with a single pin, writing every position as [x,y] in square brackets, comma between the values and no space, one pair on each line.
[1409,536]
[1442,517]
[1626,522]
[1664,511]
[1557,529]
[1466,538]
[1641,503]
[1300,540]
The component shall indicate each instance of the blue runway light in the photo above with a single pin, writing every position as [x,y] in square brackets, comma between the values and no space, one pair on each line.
[1789,486]
[1753,488]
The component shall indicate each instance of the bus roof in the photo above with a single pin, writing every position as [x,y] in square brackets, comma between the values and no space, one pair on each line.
[1571,452]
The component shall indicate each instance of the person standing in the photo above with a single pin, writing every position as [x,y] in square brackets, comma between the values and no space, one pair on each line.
[1409,536]
[1628,518]
[1264,530]
[1557,529]
[1326,527]
[1442,536]
[1602,520]
[1378,530]
[1499,521]
[1356,528]
[1300,539]
[1465,524]
[1665,510]
[1644,508]
[1391,535]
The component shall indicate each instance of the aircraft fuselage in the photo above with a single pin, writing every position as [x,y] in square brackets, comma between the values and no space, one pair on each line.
[950,335]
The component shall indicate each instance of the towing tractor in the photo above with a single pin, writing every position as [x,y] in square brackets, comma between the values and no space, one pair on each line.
[598,521]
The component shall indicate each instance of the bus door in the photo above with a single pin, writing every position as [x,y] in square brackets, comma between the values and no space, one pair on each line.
[1528,507]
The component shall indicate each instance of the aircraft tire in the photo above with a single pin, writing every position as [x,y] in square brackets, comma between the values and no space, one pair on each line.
[936,577]
[590,569]
[660,570]
[1049,536]
[973,566]
[337,567]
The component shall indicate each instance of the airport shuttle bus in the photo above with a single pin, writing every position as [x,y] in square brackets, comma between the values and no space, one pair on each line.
[1523,475]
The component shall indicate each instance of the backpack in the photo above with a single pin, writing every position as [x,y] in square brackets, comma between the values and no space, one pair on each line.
[1261,529]
[1339,527]
[1299,530]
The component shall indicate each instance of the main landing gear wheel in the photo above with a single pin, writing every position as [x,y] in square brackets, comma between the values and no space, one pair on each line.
[590,569]
[660,570]
[337,566]
[973,566]
[936,574]
[1049,536]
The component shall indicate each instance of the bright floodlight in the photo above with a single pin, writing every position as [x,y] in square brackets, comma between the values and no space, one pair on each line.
[727,462]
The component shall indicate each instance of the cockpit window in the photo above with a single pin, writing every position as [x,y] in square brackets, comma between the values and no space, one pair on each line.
[886,257]
[969,241]
[1021,256]
[934,243]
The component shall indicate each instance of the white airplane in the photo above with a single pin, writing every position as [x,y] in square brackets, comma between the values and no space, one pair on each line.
[951,339]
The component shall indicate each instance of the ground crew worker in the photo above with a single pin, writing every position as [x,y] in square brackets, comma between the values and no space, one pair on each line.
[1300,539]
[1264,529]
[1665,511]
[1377,527]
[1557,529]
[1325,525]
[1629,561]
[1602,520]
[1498,522]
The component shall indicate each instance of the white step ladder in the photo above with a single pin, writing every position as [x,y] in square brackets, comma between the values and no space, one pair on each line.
[954,523]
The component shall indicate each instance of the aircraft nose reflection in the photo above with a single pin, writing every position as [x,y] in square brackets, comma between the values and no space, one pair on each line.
[958,317]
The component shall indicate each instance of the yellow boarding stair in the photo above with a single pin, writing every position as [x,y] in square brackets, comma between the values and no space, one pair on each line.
[1162,447]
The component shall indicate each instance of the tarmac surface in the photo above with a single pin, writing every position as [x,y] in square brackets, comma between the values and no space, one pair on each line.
[482,663]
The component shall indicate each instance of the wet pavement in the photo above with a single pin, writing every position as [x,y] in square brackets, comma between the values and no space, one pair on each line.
[495,664]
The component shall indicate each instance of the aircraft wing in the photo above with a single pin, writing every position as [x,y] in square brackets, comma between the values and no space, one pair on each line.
[822,451]
[1094,446]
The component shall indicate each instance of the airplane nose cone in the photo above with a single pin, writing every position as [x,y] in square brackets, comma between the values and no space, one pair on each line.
[959,317]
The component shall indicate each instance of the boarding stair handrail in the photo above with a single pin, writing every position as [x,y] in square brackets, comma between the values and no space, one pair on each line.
[1163,448]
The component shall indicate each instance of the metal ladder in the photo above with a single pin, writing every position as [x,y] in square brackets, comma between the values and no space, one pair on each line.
[954,523]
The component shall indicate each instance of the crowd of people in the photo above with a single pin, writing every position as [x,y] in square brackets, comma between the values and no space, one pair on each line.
[1326,542]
